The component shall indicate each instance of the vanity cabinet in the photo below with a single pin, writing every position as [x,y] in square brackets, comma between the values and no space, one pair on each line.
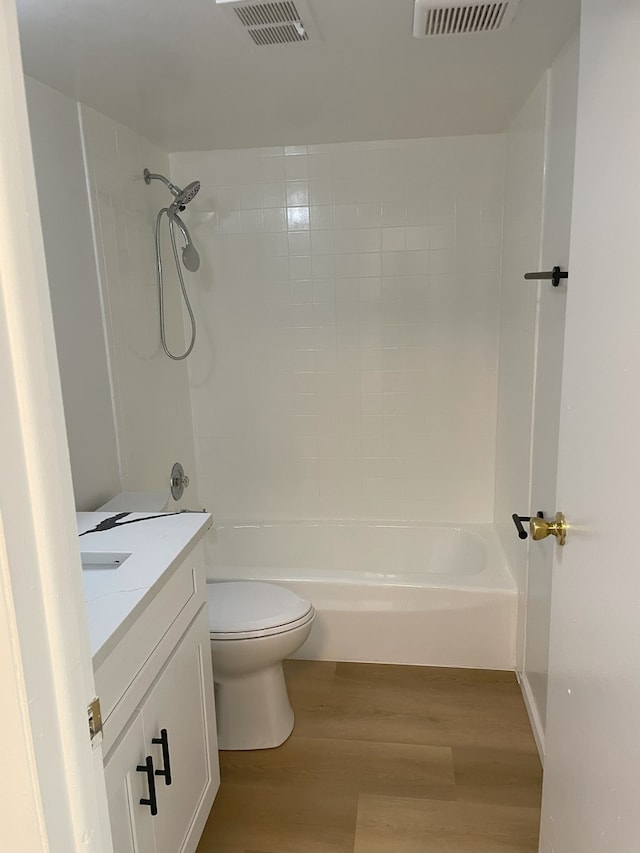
[161,764]
[131,825]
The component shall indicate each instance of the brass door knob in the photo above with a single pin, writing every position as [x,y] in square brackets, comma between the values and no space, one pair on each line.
[540,528]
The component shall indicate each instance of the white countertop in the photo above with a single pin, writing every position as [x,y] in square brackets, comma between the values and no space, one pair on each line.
[114,597]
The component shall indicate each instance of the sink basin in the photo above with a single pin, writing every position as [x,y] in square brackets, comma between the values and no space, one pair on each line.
[92,560]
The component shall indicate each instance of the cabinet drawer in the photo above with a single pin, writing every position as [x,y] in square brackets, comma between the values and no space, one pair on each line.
[183,591]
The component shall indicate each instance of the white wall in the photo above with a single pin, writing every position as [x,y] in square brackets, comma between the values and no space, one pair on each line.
[524,178]
[150,392]
[538,195]
[348,309]
[75,297]
[126,404]
[558,196]
[53,787]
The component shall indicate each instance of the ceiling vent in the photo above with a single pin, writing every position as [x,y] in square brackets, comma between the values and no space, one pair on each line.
[461,17]
[272,23]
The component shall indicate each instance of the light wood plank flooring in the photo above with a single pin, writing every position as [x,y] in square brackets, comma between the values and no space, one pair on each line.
[386,759]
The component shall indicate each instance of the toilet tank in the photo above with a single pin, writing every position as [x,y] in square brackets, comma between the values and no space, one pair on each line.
[136,502]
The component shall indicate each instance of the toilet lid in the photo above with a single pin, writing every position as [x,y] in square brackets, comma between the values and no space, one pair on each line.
[236,607]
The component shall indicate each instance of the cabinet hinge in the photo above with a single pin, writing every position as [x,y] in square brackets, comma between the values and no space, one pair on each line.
[95,718]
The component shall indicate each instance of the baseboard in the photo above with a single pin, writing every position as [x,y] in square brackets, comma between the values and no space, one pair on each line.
[532,711]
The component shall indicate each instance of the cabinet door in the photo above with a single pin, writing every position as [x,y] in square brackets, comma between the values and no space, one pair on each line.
[131,822]
[181,703]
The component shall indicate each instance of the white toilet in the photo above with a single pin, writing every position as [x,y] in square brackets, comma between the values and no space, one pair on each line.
[254,627]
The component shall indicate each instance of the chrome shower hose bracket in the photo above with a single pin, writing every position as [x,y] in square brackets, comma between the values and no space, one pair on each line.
[178,482]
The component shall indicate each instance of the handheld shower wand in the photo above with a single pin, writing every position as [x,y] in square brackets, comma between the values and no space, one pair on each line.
[190,256]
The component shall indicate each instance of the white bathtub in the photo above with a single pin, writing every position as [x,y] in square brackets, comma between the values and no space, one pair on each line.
[385,592]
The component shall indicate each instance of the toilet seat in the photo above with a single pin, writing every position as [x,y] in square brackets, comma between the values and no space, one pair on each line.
[244,610]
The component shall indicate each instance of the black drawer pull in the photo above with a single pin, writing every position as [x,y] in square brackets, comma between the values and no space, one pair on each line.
[166,771]
[147,768]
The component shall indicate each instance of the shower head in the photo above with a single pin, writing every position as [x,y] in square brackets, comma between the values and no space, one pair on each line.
[190,256]
[182,197]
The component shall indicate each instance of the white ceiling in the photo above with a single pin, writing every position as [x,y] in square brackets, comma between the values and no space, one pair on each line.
[181,73]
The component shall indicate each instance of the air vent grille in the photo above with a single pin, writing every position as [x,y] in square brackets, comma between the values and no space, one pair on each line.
[263,14]
[465,19]
[272,22]
[286,34]
[460,17]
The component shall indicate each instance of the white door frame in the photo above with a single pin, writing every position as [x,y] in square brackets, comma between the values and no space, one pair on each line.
[52,788]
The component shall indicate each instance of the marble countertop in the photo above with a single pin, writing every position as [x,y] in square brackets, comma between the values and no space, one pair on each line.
[115,597]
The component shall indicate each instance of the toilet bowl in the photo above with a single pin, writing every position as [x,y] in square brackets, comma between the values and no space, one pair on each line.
[253,628]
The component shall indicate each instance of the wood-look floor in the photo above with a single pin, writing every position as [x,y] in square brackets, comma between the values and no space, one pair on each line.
[386,759]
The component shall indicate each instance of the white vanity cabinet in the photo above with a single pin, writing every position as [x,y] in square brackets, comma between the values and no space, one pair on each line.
[131,825]
[160,746]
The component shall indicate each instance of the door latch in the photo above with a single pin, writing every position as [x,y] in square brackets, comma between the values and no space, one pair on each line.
[95,718]
[540,528]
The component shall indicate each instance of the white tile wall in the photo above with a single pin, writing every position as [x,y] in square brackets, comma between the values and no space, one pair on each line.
[150,392]
[75,296]
[349,311]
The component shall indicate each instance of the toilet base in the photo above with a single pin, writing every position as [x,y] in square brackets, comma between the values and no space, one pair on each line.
[253,710]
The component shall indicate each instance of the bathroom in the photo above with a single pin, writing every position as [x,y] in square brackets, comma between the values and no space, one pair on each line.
[368,355]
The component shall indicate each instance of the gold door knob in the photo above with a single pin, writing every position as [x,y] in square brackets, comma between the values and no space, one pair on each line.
[540,528]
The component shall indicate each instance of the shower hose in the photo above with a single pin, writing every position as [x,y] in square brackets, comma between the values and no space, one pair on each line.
[160,280]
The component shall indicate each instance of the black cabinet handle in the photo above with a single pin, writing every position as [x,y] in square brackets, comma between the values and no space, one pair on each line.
[166,771]
[147,768]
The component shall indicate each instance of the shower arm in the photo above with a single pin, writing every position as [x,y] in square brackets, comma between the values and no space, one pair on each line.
[151,176]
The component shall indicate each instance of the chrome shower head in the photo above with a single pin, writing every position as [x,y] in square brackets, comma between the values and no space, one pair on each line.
[190,256]
[182,197]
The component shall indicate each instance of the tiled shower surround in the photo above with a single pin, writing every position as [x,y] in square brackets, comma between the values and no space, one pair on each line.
[149,392]
[348,313]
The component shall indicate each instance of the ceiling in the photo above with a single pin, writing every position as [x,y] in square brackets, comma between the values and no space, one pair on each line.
[184,75]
